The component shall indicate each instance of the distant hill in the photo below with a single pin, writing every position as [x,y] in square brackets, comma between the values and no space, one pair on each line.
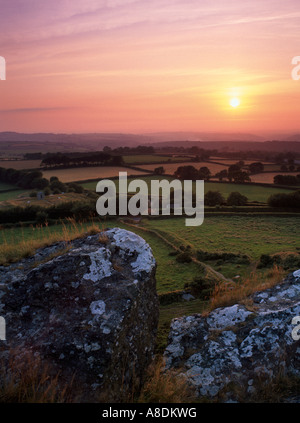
[204,136]
[231,146]
[102,138]
[20,143]
[295,137]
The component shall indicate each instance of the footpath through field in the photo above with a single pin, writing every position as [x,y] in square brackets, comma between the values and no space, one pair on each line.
[208,268]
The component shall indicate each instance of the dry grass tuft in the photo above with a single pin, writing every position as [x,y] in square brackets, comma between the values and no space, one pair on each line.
[27,380]
[226,295]
[14,250]
[165,387]
[103,238]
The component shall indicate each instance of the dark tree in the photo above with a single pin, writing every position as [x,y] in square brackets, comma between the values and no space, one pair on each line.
[236,199]
[213,198]
[187,172]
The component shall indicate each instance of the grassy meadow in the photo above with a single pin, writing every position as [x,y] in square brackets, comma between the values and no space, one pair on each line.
[14,242]
[252,192]
[5,186]
[253,235]
[250,236]
[84,173]
[13,195]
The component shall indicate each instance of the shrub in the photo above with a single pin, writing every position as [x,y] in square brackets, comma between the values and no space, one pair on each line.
[291,200]
[221,257]
[201,287]
[184,257]
[291,262]
[40,183]
[256,167]
[73,187]
[19,214]
[58,185]
[84,210]
[213,198]
[159,170]
[236,199]
[173,253]
[41,217]
[264,261]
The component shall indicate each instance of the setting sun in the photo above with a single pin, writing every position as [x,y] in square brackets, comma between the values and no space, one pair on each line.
[234,102]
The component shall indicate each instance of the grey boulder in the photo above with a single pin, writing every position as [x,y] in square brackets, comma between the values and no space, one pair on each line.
[90,313]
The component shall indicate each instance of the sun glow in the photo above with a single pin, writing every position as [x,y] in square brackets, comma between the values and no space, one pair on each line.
[234,102]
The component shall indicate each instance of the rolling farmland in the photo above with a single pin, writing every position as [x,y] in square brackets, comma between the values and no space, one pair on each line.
[85,173]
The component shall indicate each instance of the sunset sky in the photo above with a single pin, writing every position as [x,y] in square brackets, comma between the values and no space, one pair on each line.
[149,65]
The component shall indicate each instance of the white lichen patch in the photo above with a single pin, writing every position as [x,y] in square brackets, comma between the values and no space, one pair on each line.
[100,266]
[97,307]
[226,317]
[296,274]
[131,244]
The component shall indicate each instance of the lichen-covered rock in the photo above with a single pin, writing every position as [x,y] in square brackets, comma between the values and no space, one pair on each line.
[91,311]
[239,345]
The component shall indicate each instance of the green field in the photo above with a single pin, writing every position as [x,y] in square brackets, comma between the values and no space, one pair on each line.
[170,274]
[252,192]
[11,195]
[5,186]
[251,236]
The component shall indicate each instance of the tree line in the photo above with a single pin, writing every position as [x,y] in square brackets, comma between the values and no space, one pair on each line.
[85,159]
[34,180]
[287,180]
[24,179]
[233,173]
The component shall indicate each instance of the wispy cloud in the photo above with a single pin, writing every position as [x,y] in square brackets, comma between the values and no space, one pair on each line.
[107,56]
[34,110]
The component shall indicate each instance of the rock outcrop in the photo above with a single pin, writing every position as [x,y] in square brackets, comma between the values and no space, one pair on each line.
[239,345]
[91,311]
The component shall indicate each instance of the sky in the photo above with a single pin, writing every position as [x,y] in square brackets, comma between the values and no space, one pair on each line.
[143,66]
